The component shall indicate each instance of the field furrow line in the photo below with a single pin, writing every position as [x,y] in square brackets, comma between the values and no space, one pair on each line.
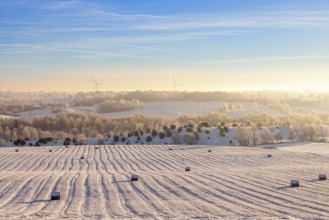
[110,159]
[130,200]
[70,194]
[245,191]
[42,200]
[232,195]
[183,204]
[288,196]
[17,190]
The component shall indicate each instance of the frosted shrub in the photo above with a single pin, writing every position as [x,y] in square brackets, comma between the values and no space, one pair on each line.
[190,138]
[176,139]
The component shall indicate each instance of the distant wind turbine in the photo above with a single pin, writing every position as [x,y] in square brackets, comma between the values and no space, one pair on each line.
[175,84]
[96,84]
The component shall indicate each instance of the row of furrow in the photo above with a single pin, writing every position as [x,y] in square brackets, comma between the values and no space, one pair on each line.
[113,198]
[181,200]
[120,162]
[128,163]
[253,192]
[9,185]
[142,164]
[29,161]
[106,165]
[236,195]
[60,158]
[94,205]
[223,196]
[164,160]
[70,195]
[133,163]
[23,203]
[261,181]
[101,193]
[99,186]
[113,161]
[201,198]
[17,190]
[309,198]
[81,162]
[4,160]
[41,157]
[42,199]
[16,162]
[72,159]
[166,207]
[125,201]
[64,161]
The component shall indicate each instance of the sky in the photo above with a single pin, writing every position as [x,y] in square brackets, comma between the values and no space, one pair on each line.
[127,45]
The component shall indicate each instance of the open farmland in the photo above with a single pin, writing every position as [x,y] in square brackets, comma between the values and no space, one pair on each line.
[228,183]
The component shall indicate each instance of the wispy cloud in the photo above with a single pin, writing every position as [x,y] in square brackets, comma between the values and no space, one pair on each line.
[267,59]
[95,53]
[276,19]
[20,33]
[9,3]
[60,5]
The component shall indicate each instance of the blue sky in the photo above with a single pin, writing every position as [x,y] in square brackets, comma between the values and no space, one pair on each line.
[141,45]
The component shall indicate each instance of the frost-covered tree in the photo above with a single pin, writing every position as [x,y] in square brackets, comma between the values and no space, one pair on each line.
[310,132]
[190,138]
[176,139]
[265,136]
[14,135]
[293,134]
[243,136]
[100,139]
[277,136]
[81,138]
[254,131]
[26,133]
[324,133]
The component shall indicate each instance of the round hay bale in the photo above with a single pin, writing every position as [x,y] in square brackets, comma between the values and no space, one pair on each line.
[50,150]
[82,157]
[294,183]
[16,150]
[187,169]
[209,151]
[134,177]
[55,196]
[170,148]
[269,155]
[322,176]
[96,148]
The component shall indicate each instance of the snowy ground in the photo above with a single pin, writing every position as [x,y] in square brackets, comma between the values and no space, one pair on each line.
[213,138]
[314,148]
[169,109]
[228,183]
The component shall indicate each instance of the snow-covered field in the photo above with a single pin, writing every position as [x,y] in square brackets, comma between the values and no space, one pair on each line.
[314,148]
[169,109]
[228,183]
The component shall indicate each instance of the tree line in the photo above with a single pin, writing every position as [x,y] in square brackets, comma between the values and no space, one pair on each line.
[311,126]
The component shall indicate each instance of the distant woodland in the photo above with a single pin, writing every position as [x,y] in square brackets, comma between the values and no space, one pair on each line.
[12,103]
[312,126]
